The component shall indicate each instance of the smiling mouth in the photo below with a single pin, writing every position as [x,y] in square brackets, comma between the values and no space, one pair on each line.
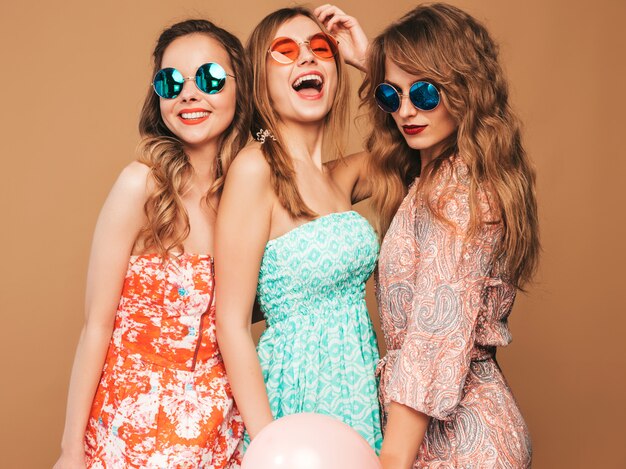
[194,115]
[308,85]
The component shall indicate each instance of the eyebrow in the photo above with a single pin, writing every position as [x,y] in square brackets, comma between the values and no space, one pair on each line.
[306,38]
[395,85]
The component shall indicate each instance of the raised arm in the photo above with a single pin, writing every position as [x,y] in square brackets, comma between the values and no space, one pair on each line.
[242,231]
[353,42]
[427,377]
[116,231]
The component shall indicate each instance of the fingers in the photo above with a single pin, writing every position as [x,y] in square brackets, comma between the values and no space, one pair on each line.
[341,22]
[327,11]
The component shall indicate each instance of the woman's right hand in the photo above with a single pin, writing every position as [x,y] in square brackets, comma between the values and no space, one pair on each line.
[75,460]
[119,223]
[353,42]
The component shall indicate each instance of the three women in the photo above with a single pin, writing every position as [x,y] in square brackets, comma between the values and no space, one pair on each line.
[454,195]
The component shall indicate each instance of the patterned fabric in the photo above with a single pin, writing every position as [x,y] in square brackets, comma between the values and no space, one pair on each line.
[444,307]
[163,400]
[319,351]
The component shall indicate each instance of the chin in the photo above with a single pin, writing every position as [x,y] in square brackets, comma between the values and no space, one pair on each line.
[311,115]
[415,143]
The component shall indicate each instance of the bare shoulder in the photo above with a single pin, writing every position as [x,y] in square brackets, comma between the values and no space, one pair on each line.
[248,188]
[359,158]
[250,164]
[132,186]
[350,174]
[134,178]
[353,164]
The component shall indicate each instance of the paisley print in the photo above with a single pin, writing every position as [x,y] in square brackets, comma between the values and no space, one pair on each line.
[319,351]
[441,344]
[163,400]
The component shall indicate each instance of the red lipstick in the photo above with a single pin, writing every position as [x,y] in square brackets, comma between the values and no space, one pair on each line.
[413,129]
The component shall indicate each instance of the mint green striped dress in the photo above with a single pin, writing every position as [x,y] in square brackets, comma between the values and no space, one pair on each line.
[319,352]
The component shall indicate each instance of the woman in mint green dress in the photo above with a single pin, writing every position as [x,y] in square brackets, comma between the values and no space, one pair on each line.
[286,233]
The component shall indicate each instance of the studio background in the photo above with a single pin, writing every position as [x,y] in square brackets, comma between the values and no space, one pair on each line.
[74,75]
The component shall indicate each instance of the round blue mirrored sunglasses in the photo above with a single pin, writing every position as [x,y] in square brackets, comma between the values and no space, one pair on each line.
[422,94]
[210,78]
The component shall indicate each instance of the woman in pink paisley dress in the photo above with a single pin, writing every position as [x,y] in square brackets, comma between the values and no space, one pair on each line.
[148,386]
[454,194]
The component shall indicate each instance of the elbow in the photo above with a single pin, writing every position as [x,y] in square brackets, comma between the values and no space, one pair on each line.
[95,326]
[220,333]
[221,328]
[229,332]
[223,331]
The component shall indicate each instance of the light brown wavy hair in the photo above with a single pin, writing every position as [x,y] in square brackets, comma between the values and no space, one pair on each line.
[264,117]
[163,152]
[447,46]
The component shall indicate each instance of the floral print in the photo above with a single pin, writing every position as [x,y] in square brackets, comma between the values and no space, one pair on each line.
[444,305]
[163,400]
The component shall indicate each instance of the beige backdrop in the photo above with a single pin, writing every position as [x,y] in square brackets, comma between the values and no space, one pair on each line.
[73,78]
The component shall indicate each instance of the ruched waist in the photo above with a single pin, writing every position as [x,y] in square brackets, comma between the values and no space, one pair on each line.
[317,312]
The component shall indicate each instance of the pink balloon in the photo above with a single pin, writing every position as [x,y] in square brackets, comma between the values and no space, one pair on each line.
[309,441]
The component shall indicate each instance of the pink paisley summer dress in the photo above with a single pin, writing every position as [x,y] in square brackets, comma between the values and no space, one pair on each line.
[163,400]
[444,306]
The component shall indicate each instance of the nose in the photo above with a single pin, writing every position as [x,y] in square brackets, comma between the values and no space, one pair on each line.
[306,54]
[406,107]
[190,90]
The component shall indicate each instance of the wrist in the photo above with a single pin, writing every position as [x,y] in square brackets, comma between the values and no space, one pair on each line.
[358,62]
[394,461]
[73,449]
[362,65]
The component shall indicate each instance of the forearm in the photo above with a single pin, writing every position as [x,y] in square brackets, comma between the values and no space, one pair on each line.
[246,378]
[86,371]
[404,434]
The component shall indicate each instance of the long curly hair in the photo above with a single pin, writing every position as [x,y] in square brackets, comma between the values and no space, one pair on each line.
[447,46]
[167,220]
[264,117]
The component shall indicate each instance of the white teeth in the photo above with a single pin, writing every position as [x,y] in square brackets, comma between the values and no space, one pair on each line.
[193,115]
[300,80]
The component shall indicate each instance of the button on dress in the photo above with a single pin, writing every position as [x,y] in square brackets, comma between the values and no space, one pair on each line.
[163,400]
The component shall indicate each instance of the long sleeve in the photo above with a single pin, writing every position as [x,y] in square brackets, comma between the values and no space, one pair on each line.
[431,365]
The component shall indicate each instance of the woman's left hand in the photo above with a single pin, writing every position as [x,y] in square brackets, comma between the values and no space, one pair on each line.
[353,42]
[392,462]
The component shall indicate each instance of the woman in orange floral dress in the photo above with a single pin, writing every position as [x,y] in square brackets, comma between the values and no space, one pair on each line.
[148,386]
[453,190]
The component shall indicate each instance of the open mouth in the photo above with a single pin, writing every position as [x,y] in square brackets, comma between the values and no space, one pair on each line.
[193,116]
[308,85]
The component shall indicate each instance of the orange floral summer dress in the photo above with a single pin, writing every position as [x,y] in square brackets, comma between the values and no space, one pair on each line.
[163,400]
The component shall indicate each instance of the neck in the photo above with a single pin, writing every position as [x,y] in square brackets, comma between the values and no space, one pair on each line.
[425,159]
[202,158]
[429,154]
[303,141]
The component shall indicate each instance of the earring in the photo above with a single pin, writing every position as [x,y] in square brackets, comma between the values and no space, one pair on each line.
[264,134]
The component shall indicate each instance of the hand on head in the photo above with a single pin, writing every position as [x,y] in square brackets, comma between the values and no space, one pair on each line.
[353,42]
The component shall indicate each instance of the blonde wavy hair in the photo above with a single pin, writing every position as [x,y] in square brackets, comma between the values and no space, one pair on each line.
[447,46]
[265,118]
[168,222]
